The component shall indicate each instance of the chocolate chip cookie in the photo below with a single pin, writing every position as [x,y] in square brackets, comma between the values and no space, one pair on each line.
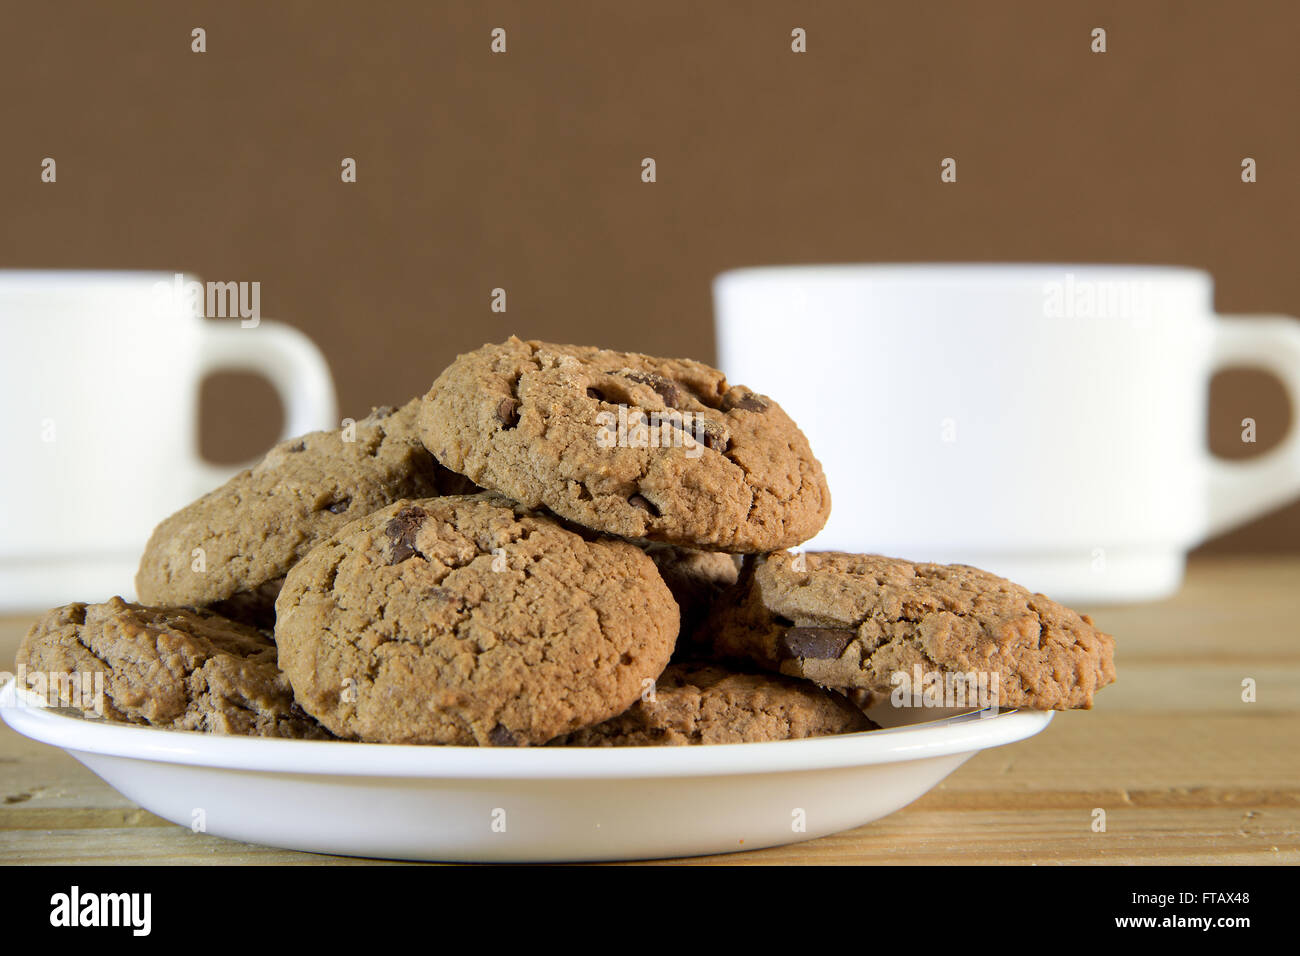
[232,547]
[694,703]
[176,668]
[855,620]
[470,620]
[640,447]
[696,580]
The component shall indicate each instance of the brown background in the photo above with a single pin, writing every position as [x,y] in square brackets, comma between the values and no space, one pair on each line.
[523,170]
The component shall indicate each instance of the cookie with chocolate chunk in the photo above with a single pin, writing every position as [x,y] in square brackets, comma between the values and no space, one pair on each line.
[649,448]
[175,668]
[856,620]
[696,579]
[694,703]
[471,621]
[231,548]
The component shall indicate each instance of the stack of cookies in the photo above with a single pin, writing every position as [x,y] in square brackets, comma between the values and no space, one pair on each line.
[556,545]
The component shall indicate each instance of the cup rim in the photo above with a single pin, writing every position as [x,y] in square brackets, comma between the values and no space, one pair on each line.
[962,272]
[67,279]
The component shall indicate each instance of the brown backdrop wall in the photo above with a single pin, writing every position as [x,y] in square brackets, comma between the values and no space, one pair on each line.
[522,170]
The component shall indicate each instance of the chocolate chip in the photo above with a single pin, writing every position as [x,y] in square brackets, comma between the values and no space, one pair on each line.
[748,402]
[668,390]
[670,393]
[401,531]
[700,429]
[508,412]
[501,737]
[338,507]
[402,552]
[596,394]
[713,435]
[816,643]
[297,447]
[645,504]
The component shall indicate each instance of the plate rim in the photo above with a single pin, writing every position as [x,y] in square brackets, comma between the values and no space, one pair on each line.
[964,733]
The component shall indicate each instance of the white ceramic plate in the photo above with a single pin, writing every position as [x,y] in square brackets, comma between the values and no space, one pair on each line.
[527,804]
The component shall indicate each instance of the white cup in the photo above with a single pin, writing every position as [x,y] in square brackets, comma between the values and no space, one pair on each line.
[1046,422]
[99,380]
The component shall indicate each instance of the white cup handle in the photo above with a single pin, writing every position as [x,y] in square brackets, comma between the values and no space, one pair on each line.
[1241,490]
[288,359]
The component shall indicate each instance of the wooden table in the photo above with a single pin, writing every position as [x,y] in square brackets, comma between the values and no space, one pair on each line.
[1186,771]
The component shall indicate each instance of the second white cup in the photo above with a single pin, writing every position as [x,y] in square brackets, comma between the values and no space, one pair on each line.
[1046,422]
